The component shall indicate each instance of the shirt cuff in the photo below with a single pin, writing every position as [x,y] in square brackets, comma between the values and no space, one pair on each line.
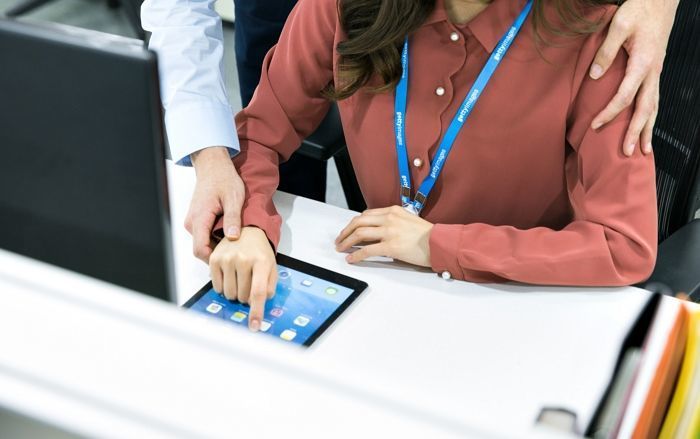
[194,126]
[444,249]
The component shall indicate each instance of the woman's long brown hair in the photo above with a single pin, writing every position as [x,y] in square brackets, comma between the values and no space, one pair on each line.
[376,29]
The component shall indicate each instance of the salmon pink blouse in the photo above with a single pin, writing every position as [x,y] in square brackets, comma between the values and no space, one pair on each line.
[529,193]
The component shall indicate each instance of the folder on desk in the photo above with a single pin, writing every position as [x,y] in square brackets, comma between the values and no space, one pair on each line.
[664,376]
[683,417]
[663,343]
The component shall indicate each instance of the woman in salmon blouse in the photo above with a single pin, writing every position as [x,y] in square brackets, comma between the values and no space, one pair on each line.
[529,191]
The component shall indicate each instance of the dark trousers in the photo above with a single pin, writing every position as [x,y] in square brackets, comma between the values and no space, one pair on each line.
[258,27]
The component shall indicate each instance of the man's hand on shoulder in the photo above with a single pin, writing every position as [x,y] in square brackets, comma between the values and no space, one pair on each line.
[643,28]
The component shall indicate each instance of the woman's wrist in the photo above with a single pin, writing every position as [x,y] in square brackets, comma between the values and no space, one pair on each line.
[444,244]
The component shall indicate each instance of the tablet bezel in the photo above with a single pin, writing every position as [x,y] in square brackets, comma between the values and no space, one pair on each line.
[357,286]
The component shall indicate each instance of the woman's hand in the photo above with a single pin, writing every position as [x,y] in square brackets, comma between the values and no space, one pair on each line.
[245,270]
[642,27]
[392,232]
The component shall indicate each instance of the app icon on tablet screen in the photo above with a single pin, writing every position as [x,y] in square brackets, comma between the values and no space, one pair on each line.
[288,334]
[238,316]
[302,321]
[214,307]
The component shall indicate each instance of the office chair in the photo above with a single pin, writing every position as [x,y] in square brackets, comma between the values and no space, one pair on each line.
[677,153]
[131,8]
[329,141]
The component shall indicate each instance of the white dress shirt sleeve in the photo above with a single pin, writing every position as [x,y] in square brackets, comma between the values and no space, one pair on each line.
[188,37]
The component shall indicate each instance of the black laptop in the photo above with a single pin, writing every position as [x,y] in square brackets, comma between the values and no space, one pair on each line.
[83,182]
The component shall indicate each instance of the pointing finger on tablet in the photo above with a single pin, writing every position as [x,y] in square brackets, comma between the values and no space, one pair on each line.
[258,295]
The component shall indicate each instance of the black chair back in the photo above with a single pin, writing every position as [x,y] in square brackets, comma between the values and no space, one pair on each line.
[677,132]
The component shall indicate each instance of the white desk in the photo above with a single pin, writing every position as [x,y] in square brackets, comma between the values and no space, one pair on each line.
[414,356]
[467,352]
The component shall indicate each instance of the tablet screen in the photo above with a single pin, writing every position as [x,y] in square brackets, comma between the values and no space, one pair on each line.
[302,307]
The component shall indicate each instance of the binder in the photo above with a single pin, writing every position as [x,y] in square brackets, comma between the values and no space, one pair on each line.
[643,387]
[683,418]
[658,373]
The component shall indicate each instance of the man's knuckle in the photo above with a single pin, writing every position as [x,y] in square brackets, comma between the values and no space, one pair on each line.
[655,107]
[200,252]
[626,99]
[644,61]
[651,63]
[622,23]
[229,260]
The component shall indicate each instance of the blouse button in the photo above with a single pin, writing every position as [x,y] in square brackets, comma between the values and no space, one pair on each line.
[454,36]
[417,162]
[440,91]
[446,275]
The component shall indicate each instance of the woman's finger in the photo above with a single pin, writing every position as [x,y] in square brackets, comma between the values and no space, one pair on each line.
[361,235]
[258,294]
[367,252]
[272,283]
[217,277]
[243,274]
[360,221]
[378,211]
[384,211]
[229,282]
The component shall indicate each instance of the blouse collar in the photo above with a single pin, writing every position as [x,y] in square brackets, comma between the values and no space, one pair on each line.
[490,25]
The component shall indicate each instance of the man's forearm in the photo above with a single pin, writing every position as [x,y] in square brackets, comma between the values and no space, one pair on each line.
[188,37]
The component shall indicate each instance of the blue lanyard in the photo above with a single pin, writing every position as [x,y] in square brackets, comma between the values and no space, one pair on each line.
[456,125]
